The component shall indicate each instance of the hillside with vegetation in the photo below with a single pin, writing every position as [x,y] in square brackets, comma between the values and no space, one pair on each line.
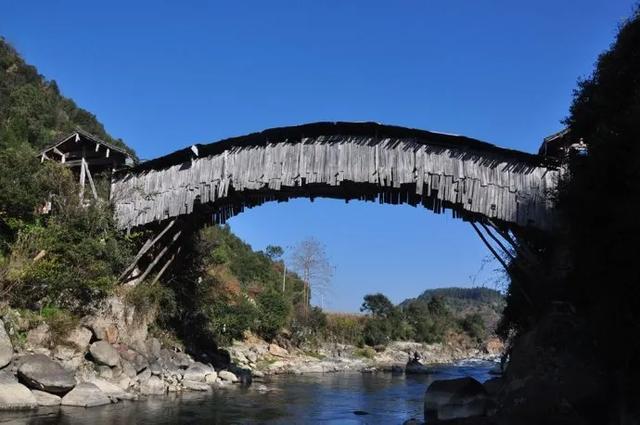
[486,303]
[33,109]
[61,269]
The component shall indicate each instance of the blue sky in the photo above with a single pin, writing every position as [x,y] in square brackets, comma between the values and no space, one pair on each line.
[162,75]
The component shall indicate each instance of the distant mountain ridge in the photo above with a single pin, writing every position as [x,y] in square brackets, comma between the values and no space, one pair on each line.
[486,302]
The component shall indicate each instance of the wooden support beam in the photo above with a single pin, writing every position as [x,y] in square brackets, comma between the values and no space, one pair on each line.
[166,265]
[82,179]
[93,187]
[159,256]
[63,157]
[146,247]
[498,241]
[501,260]
[520,248]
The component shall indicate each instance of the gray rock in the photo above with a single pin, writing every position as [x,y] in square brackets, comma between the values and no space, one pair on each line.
[6,348]
[153,386]
[143,376]
[197,372]
[113,391]
[128,369]
[454,398]
[227,376]
[251,356]
[195,386]
[178,359]
[140,363]
[155,368]
[46,399]
[105,372]
[153,348]
[39,337]
[211,378]
[41,373]
[13,395]
[104,353]
[85,394]
[80,338]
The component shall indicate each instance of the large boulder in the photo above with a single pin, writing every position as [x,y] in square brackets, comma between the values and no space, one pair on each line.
[153,386]
[85,394]
[13,395]
[104,330]
[41,373]
[46,399]
[104,353]
[79,338]
[227,376]
[6,348]
[197,372]
[455,398]
[113,391]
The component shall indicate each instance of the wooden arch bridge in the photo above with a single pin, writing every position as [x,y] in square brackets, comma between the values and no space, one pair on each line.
[479,182]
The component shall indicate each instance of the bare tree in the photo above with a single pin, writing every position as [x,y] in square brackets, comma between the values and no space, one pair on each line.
[309,260]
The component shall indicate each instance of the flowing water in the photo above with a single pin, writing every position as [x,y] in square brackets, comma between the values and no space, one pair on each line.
[339,398]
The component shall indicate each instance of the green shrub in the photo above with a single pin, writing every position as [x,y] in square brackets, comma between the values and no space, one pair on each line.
[83,254]
[365,352]
[61,323]
[274,312]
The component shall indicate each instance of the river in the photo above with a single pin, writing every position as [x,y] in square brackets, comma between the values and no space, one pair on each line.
[338,398]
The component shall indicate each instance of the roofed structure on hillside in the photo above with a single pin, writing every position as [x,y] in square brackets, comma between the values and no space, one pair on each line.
[100,155]
[86,154]
[556,144]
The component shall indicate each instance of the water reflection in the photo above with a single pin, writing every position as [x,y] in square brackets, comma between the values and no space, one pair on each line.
[327,399]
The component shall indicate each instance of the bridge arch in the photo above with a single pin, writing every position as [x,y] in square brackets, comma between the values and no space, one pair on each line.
[366,161]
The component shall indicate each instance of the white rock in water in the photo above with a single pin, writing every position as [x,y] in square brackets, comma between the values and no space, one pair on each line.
[46,399]
[211,378]
[197,372]
[153,386]
[112,390]
[225,375]
[85,394]
[196,386]
[13,395]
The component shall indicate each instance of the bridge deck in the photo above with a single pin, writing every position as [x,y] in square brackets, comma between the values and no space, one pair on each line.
[341,160]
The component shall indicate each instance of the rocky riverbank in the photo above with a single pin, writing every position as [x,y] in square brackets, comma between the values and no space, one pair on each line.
[263,358]
[111,357]
[104,359]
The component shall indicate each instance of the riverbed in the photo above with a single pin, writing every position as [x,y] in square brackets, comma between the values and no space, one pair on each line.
[337,398]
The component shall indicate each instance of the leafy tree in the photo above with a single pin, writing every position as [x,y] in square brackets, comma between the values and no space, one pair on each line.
[274,312]
[377,305]
[274,252]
